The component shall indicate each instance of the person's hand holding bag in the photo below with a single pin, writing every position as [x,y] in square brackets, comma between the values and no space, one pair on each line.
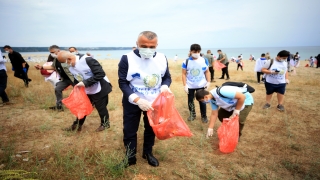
[144,105]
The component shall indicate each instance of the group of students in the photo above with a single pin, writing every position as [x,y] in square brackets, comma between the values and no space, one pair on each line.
[144,74]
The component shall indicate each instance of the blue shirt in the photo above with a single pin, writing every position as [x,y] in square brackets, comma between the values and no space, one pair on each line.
[230,92]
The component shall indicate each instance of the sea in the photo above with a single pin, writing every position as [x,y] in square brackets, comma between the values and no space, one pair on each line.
[304,51]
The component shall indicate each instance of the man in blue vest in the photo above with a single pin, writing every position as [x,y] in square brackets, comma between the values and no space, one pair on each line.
[143,75]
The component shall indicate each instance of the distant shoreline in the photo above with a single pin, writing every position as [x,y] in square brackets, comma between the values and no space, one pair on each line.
[45,49]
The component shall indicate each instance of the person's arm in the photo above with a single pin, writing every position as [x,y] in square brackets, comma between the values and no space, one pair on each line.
[184,77]
[265,68]
[240,100]
[213,118]
[1,58]
[97,71]
[166,79]
[23,62]
[123,82]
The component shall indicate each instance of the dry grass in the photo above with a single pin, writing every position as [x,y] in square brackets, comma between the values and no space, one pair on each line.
[274,145]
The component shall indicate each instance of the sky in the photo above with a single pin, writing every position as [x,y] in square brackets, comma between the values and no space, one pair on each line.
[178,23]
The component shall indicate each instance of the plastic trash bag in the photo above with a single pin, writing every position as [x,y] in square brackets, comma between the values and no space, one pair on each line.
[165,120]
[78,102]
[228,134]
[218,65]
[53,78]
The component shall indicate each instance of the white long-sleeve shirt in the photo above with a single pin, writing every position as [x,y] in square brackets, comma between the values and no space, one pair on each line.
[2,63]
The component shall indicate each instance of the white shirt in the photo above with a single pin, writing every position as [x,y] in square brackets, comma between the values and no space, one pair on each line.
[196,72]
[2,62]
[279,78]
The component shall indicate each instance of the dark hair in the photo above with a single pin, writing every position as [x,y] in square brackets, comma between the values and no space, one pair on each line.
[297,52]
[219,50]
[263,55]
[73,48]
[195,47]
[201,93]
[7,46]
[239,56]
[283,53]
[54,47]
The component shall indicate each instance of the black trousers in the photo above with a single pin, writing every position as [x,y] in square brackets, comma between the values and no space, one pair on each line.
[19,73]
[131,121]
[225,71]
[211,73]
[60,86]
[258,76]
[239,65]
[101,106]
[203,109]
[3,85]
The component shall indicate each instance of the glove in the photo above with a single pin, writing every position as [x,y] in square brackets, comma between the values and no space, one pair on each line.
[80,84]
[25,70]
[235,113]
[12,68]
[186,89]
[210,132]
[164,88]
[207,86]
[287,81]
[144,105]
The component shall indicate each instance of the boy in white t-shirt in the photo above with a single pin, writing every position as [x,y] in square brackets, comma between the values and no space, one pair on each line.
[195,76]
[276,78]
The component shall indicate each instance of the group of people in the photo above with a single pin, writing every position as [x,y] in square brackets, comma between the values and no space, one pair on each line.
[143,74]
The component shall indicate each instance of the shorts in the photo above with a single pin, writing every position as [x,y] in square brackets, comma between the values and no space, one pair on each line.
[278,88]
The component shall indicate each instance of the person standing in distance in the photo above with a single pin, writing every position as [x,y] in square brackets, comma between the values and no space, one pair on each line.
[211,65]
[276,78]
[19,65]
[143,75]
[224,60]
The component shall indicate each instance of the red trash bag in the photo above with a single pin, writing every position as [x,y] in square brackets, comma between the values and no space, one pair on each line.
[165,120]
[228,134]
[78,102]
[218,65]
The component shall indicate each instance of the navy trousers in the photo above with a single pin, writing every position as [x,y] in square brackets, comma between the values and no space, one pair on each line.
[131,121]
[3,85]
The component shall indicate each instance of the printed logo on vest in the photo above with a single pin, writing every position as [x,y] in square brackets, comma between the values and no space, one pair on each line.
[195,72]
[151,81]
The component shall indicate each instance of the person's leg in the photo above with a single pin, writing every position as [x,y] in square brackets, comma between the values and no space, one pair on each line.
[243,116]
[3,86]
[238,67]
[148,134]
[60,86]
[223,72]
[222,113]
[241,68]
[211,73]
[227,71]
[191,105]
[101,106]
[270,89]
[18,74]
[131,120]
[280,98]
[258,77]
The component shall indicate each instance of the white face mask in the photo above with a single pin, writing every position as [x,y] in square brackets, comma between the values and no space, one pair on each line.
[7,51]
[146,52]
[74,53]
[53,55]
[195,55]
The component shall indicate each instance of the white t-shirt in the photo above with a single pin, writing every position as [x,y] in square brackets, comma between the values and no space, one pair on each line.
[195,72]
[259,64]
[279,78]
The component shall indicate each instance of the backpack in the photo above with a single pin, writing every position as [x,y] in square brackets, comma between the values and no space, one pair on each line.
[250,89]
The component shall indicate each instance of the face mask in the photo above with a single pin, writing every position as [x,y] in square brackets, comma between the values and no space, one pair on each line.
[281,60]
[146,52]
[195,55]
[7,51]
[206,101]
[53,55]
[74,53]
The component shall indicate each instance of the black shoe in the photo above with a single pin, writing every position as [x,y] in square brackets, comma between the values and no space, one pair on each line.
[204,119]
[191,118]
[227,78]
[29,80]
[26,83]
[125,163]
[59,108]
[221,78]
[151,159]
[73,128]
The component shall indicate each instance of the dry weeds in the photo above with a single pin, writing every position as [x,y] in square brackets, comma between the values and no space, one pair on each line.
[274,145]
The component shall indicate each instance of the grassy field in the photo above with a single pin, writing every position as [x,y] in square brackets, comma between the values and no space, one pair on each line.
[274,145]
